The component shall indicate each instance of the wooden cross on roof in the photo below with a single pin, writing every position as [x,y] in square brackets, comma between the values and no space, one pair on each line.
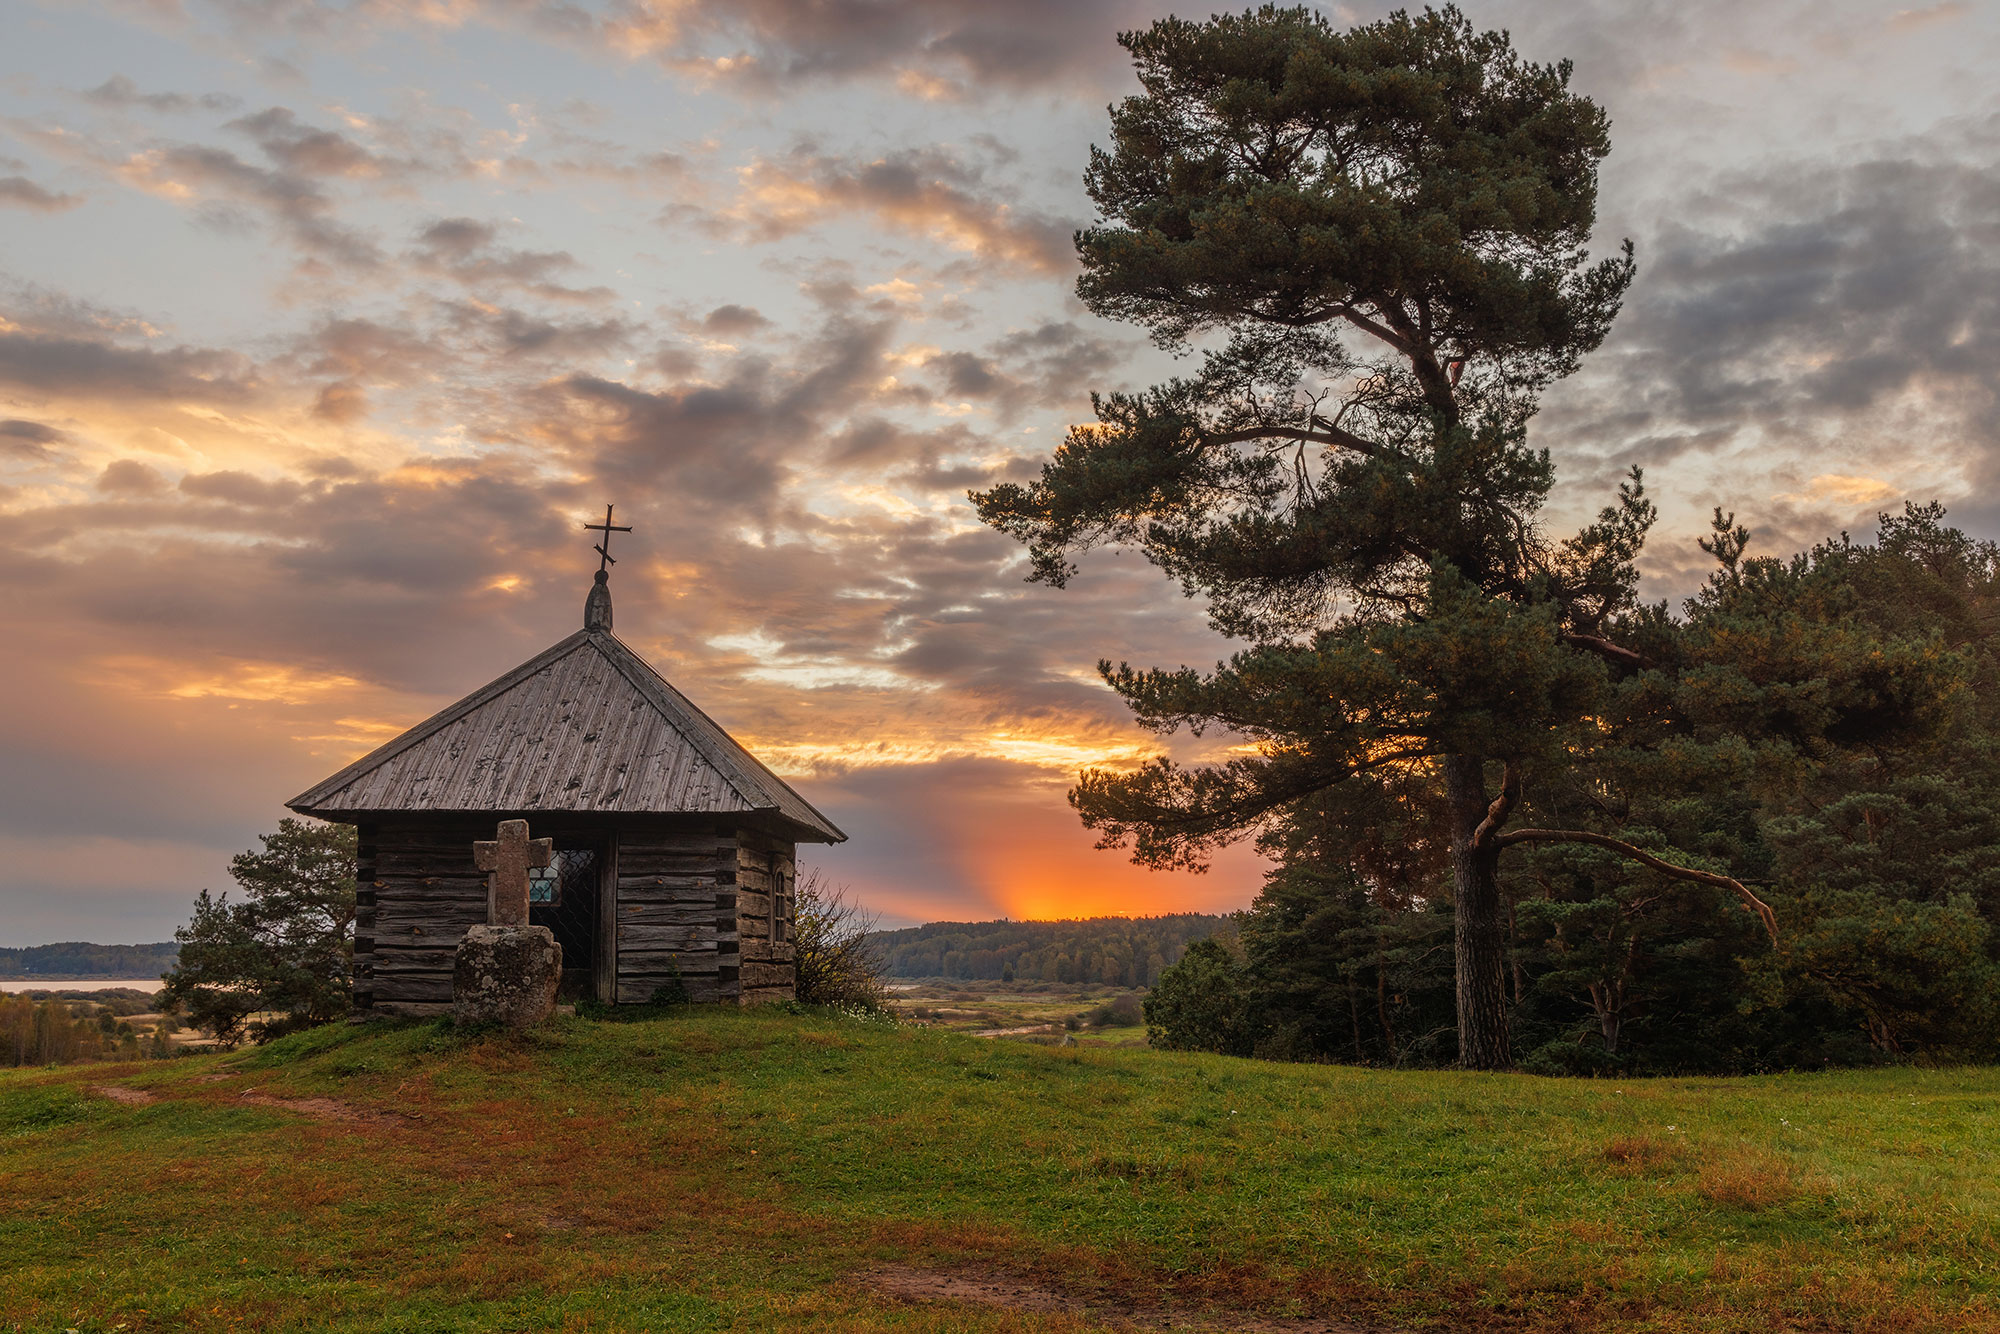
[603,548]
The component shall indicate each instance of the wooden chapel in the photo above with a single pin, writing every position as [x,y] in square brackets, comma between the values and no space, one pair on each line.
[674,867]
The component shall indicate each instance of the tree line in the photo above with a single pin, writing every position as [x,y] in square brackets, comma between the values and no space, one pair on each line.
[1114,951]
[83,959]
[50,1031]
[1876,849]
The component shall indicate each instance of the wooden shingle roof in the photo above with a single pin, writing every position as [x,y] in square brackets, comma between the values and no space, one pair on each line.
[585,727]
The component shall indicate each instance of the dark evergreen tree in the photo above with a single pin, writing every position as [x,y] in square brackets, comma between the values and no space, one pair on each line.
[1822,727]
[1200,1004]
[284,950]
[1379,232]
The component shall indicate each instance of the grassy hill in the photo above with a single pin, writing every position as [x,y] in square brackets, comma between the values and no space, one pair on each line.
[768,1171]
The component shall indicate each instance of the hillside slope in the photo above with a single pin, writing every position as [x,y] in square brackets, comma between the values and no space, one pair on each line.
[765,1171]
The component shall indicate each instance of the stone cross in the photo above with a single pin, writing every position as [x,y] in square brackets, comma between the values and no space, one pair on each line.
[510,856]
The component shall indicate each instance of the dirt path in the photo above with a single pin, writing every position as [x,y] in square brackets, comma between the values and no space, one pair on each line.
[324,1109]
[317,1109]
[995,1288]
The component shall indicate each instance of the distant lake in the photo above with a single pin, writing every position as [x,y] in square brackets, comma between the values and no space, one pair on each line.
[19,984]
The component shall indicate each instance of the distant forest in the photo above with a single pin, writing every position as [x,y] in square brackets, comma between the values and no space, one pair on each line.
[82,959]
[1117,951]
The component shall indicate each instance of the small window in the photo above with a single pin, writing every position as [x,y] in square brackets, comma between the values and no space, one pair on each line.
[777,904]
[545,883]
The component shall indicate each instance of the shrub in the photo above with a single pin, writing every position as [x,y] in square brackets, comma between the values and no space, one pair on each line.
[838,961]
[1121,1011]
[1199,1004]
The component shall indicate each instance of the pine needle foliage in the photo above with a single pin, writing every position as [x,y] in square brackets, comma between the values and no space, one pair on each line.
[280,958]
[1376,239]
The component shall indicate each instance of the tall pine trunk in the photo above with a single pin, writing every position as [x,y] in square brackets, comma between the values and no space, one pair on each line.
[1479,927]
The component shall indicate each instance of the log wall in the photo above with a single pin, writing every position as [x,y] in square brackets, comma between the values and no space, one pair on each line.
[677,914]
[693,905]
[418,891]
[766,888]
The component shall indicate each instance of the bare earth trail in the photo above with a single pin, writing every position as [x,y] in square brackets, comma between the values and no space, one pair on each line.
[1004,1292]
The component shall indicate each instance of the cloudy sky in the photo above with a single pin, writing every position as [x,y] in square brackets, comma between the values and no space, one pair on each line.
[324,325]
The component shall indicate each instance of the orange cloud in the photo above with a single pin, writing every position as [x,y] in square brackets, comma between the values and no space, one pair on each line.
[923,192]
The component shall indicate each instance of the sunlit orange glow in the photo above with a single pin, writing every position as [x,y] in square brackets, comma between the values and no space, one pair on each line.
[262,682]
[1029,856]
[1853,490]
[1054,753]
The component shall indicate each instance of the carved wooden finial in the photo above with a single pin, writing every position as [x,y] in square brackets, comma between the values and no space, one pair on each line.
[597,607]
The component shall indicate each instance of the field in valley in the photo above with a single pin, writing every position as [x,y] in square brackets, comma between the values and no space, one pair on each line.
[722,1170]
[1030,1011]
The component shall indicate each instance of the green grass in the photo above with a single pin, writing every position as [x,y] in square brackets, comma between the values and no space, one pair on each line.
[725,1170]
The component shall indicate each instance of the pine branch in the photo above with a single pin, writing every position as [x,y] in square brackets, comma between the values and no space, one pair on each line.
[1333,435]
[1501,807]
[1647,859]
[1607,650]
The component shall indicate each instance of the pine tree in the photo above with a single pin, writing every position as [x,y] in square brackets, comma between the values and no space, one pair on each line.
[1379,233]
[283,950]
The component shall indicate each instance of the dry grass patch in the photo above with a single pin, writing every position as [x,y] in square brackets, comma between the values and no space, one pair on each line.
[1749,1179]
[1634,1155]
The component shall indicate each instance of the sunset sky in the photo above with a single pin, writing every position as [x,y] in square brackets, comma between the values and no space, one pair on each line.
[324,325]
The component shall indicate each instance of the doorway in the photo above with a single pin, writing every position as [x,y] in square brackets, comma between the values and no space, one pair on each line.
[563,896]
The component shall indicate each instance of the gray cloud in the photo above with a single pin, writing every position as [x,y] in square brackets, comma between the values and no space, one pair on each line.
[465,251]
[929,191]
[310,150]
[28,440]
[120,91]
[41,363]
[519,334]
[937,48]
[732,320]
[1052,365]
[20,192]
[1826,320]
[341,401]
[129,477]
[303,211]
[954,48]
